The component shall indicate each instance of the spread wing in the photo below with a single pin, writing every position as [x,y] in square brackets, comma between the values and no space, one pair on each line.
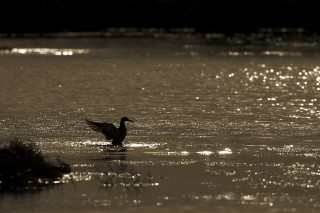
[108,129]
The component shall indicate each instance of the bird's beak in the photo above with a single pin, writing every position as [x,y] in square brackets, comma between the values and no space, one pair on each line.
[130,120]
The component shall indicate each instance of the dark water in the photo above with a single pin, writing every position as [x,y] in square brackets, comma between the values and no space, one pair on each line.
[219,127]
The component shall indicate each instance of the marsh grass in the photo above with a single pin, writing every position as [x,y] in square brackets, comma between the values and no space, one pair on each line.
[24,168]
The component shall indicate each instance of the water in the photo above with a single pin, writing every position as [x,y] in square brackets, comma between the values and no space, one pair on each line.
[220,124]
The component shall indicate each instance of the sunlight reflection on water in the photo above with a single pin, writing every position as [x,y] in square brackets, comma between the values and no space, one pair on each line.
[226,151]
[217,128]
[45,51]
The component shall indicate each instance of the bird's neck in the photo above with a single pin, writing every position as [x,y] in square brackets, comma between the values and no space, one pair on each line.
[122,126]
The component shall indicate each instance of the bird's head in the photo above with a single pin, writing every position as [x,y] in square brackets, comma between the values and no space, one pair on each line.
[124,119]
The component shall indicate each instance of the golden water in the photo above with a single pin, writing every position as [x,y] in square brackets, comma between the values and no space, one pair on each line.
[217,127]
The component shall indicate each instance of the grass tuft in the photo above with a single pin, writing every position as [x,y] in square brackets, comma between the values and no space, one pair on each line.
[23,167]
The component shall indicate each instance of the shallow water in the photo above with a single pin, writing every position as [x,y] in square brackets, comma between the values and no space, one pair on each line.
[229,127]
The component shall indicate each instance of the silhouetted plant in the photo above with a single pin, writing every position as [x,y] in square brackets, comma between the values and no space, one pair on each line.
[23,167]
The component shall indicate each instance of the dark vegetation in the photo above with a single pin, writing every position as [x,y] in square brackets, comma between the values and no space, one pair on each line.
[24,168]
[36,16]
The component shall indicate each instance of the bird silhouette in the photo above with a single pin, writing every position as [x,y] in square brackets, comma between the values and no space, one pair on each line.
[110,131]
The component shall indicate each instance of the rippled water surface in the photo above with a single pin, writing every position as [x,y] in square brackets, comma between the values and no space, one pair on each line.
[218,127]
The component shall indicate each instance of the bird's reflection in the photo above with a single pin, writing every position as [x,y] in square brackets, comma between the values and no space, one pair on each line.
[113,153]
[118,156]
[122,177]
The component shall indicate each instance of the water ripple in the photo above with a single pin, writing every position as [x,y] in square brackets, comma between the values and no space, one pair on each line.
[45,51]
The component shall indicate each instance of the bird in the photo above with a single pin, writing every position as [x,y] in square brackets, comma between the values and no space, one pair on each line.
[110,131]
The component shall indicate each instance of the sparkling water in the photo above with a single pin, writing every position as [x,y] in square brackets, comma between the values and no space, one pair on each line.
[221,124]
